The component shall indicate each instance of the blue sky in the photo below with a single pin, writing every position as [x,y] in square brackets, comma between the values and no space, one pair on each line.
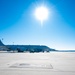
[19,25]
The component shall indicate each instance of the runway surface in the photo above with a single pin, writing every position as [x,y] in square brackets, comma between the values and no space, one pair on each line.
[53,63]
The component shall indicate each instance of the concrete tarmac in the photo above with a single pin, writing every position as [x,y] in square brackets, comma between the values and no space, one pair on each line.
[53,63]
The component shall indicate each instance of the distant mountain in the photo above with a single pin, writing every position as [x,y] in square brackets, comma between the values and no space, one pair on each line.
[65,50]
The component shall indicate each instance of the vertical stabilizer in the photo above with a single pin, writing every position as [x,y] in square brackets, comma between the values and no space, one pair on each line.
[1,44]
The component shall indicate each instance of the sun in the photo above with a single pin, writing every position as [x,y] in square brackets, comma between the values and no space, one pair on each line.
[41,13]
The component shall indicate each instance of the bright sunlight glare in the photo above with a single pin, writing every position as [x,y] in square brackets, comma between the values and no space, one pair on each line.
[41,13]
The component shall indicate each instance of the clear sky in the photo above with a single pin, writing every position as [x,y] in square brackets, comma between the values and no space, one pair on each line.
[19,25]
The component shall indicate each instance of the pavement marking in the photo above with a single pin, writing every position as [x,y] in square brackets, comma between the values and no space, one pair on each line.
[31,65]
